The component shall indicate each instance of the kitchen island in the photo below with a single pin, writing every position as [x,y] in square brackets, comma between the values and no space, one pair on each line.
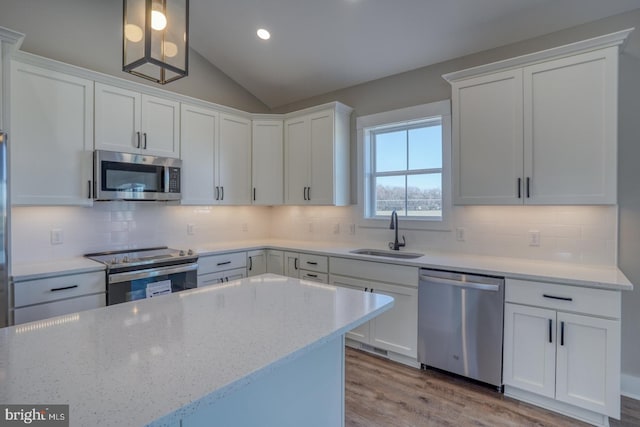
[266,350]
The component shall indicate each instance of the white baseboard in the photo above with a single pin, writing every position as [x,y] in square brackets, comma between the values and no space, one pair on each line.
[630,386]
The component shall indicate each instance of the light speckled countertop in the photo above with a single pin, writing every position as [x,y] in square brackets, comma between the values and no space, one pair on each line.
[155,361]
[597,276]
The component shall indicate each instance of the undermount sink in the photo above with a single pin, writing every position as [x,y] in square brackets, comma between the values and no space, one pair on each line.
[389,254]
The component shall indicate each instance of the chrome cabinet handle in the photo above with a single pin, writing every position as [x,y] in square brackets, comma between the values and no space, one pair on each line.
[137,139]
[250,263]
[528,187]
[295,263]
[221,193]
[519,188]
[304,193]
[308,193]
[217,193]
[145,141]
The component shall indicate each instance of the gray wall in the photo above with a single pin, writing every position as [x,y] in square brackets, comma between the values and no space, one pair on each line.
[426,85]
[87,33]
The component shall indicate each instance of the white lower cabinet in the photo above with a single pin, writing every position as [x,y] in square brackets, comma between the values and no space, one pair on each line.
[395,330]
[555,352]
[57,295]
[217,269]
[275,262]
[306,266]
[256,262]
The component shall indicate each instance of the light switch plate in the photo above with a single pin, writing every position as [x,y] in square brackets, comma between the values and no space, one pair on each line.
[190,229]
[460,234]
[534,238]
[57,236]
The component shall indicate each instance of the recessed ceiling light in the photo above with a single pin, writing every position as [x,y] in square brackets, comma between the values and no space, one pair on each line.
[264,34]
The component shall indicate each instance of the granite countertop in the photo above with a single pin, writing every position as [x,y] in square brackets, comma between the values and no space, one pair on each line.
[155,361]
[596,276]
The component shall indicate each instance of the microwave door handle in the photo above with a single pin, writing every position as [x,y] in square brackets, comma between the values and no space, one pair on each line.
[151,272]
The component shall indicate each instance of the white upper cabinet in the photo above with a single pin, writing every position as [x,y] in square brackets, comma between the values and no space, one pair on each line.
[132,122]
[198,142]
[570,129]
[216,157]
[234,161]
[488,131]
[538,129]
[317,156]
[267,171]
[51,137]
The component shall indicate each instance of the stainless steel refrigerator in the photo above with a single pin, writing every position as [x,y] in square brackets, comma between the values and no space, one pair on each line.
[4,232]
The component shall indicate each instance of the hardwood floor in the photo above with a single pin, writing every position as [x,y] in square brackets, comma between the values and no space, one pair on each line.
[382,393]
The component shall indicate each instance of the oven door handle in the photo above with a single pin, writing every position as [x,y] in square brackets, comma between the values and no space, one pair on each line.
[151,272]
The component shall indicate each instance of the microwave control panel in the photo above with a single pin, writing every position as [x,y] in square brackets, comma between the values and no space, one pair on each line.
[174,180]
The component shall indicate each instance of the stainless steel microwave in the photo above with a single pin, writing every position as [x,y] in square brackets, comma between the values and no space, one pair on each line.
[126,176]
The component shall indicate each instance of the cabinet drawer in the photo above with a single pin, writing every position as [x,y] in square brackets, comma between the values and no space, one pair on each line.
[314,263]
[58,308]
[596,302]
[380,272]
[314,277]
[214,263]
[221,277]
[57,288]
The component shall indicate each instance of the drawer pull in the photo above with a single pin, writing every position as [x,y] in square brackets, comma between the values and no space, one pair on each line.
[312,275]
[312,263]
[558,298]
[224,263]
[64,288]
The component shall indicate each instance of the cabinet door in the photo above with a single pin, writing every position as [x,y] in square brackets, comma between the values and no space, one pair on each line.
[160,125]
[199,133]
[51,137]
[234,160]
[291,264]
[487,139]
[117,119]
[297,153]
[570,129]
[268,169]
[256,262]
[361,333]
[588,363]
[321,186]
[275,262]
[530,349]
[397,329]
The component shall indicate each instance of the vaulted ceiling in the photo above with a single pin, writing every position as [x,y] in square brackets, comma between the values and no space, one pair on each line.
[318,46]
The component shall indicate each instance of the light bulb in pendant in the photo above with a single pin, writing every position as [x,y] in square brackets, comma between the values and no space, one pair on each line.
[158,20]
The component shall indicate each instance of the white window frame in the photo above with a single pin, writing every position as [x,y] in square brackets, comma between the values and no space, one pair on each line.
[403,117]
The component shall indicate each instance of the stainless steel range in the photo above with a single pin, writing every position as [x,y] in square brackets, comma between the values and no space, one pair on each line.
[147,273]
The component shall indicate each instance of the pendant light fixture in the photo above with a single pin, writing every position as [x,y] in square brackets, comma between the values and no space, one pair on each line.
[155,39]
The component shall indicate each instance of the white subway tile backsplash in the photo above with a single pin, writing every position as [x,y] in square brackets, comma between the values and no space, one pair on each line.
[581,234]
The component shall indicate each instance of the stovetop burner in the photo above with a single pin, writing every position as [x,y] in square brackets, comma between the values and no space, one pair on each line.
[146,257]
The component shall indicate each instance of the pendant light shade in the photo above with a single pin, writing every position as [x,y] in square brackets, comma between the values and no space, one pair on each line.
[155,39]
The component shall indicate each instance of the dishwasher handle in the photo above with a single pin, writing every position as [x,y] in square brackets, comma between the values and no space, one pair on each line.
[466,285]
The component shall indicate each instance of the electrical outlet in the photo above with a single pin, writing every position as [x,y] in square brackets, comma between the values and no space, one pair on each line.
[57,236]
[190,229]
[534,238]
[336,228]
[352,229]
[310,227]
[245,227]
[460,234]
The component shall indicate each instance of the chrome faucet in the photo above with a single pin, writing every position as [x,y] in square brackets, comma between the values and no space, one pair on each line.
[395,245]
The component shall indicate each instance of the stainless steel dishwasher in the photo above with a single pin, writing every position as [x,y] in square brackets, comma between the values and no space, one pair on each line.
[460,319]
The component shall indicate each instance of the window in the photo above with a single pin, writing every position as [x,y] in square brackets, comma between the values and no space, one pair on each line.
[406,164]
